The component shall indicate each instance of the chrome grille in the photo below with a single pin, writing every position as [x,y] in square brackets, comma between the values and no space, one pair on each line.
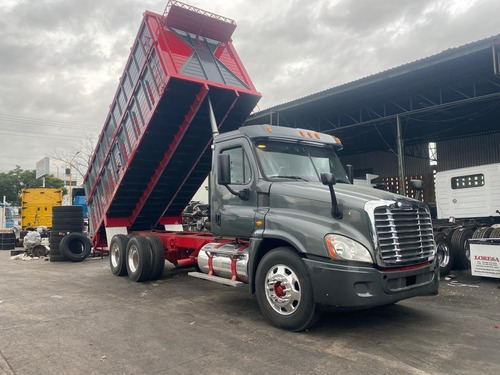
[404,235]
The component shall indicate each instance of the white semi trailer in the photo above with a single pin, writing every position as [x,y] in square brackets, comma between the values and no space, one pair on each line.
[468,206]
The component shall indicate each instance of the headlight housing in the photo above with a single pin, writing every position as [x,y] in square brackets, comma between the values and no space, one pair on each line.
[340,247]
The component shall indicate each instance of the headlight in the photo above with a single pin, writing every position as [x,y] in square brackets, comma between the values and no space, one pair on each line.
[341,247]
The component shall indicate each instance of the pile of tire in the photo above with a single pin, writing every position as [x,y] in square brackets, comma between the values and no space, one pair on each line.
[141,257]
[7,240]
[67,240]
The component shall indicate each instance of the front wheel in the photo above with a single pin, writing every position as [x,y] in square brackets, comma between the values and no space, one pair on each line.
[284,291]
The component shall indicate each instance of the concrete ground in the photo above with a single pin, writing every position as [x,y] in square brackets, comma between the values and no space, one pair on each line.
[77,318]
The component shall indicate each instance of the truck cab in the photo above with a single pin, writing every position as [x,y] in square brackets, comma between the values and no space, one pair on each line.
[314,243]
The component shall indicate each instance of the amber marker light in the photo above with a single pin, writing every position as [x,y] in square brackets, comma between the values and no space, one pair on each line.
[302,133]
[269,129]
[309,134]
[261,146]
[258,223]
[337,139]
[316,135]
[331,249]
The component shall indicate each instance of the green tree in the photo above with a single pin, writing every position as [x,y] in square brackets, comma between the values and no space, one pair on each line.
[13,181]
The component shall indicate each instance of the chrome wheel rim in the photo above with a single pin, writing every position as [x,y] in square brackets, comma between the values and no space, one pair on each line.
[467,249]
[133,258]
[443,253]
[115,255]
[283,289]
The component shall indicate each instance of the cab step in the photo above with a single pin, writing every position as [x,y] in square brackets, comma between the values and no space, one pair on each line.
[217,279]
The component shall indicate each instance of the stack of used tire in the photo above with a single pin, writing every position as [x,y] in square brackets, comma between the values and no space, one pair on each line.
[67,240]
[7,240]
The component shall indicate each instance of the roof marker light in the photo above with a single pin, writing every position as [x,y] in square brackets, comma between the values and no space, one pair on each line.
[302,133]
[316,135]
[309,134]
[269,129]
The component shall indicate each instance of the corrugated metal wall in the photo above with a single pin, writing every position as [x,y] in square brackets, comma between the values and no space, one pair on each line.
[385,164]
[468,152]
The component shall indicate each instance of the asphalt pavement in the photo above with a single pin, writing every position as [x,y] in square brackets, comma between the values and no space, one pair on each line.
[77,318]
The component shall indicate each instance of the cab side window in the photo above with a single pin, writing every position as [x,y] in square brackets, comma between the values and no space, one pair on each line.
[240,167]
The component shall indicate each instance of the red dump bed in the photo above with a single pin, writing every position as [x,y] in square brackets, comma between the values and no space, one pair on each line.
[154,150]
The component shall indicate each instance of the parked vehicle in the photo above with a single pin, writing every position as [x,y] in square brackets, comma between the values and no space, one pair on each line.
[467,204]
[6,216]
[37,203]
[284,216]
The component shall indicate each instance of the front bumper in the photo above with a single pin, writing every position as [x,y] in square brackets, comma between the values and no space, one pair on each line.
[347,287]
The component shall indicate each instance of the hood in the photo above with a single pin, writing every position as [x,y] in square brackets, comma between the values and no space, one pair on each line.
[352,195]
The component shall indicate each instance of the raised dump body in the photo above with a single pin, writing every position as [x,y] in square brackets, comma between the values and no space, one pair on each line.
[154,150]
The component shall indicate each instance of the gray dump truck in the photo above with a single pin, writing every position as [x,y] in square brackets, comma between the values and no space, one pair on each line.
[284,215]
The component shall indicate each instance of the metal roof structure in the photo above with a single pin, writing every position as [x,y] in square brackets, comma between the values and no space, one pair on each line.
[450,95]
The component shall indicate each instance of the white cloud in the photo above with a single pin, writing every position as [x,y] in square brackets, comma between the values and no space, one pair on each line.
[61,60]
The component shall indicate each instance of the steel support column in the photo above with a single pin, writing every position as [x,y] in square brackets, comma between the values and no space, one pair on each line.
[401,168]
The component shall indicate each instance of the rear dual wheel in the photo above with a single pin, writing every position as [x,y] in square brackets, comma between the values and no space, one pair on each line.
[142,258]
[443,253]
[117,254]
[460,244]
[157,257]
[138,259]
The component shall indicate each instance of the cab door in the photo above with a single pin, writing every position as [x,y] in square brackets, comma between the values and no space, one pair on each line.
[231,215]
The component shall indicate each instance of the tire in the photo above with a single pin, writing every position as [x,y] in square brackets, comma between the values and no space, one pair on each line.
[55,238]
[67,215]
[57,258]
[75,246]
[64,229]
[460,246]
[158,257]
[57,209]
[69,222]
[7,236]
[284,269]
[495,233]
[54,250]
[483,232]
[138,258]
[117,254]
[444,253]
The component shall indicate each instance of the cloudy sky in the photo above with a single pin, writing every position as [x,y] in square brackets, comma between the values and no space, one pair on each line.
[60,60]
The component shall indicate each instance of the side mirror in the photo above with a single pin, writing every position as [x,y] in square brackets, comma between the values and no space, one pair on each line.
[224,177]
[350,173]
[223,169]
[417,185]
[328,179]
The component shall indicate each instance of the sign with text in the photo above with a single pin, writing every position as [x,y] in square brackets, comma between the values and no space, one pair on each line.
[43,167]
[485,259]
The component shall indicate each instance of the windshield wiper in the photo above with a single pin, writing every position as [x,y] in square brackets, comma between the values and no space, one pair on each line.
[292,178]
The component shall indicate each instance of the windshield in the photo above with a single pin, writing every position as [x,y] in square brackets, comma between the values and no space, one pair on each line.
[298,161]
